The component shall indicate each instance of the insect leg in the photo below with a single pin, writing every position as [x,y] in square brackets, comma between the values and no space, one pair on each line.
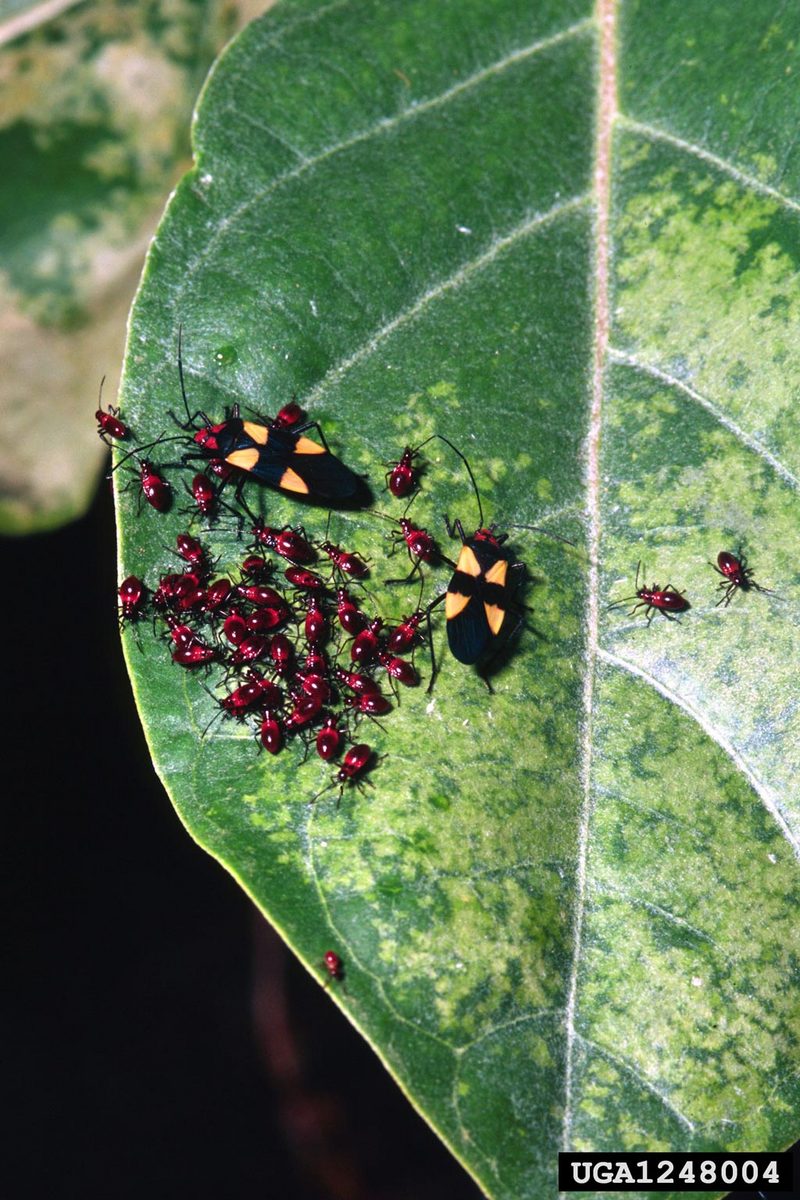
[432,605]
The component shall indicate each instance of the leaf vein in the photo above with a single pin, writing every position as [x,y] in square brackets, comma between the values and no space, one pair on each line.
[23,22]
[740,434]
[642,1079]
[765,794]
[384,126]
[310,846]
[609,889]
[749,181]
[646,809]
[254,123]
[452,283]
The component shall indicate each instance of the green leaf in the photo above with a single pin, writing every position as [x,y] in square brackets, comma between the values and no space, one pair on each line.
[93,130]
[569,242]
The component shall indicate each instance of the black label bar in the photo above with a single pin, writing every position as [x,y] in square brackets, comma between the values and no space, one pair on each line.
[617,1172]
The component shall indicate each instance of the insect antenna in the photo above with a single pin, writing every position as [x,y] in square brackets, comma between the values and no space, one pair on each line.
[161,440]
[216,715]
[190,420]
[538,529]
[464,460]
[627,599]
[327,788]
[622,600]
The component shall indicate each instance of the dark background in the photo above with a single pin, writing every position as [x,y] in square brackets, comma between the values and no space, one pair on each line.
[158,1039]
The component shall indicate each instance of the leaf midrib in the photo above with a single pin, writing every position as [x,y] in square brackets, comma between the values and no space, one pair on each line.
[606,109]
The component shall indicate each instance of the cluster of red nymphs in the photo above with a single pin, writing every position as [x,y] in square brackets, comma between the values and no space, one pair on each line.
[278,633]
[299,658]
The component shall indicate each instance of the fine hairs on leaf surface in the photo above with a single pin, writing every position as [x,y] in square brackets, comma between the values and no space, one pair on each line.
[568,239]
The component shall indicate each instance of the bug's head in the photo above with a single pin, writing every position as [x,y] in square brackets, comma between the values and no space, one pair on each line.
[490,535]
[207,437]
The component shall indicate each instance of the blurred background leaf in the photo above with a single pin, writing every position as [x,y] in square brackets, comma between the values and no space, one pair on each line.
[95,101]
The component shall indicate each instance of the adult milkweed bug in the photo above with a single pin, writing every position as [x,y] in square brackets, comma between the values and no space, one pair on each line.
[480,594]
[735,574]
[276,453]
[666,600]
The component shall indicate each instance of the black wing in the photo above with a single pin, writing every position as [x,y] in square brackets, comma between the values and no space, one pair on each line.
[468,632]
[295,464]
